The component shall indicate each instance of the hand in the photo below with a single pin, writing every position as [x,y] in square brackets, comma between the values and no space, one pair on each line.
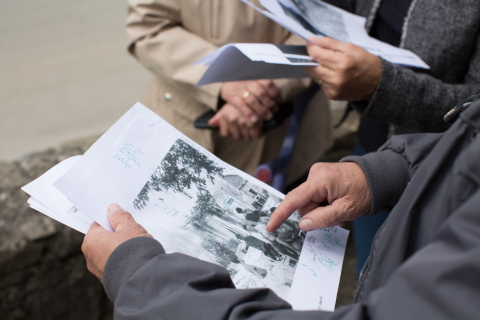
[347,71]
[233,123]
[99,243]
[255,99]
[341,187]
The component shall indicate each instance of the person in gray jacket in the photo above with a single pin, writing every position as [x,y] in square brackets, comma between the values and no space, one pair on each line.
[444,33]
[392,98]
[425,261]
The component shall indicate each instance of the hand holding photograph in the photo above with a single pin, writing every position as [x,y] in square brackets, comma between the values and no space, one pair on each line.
[196,204]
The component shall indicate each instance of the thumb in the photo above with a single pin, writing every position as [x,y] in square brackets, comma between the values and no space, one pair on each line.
[324,217]
[118,217]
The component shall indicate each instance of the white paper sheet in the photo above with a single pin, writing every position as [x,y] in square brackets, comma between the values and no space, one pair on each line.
[277,14]
[347,27]
[78,225]
[68,182]
[188,200]
[319,269]
[122,171]
[249,61]
[53,203]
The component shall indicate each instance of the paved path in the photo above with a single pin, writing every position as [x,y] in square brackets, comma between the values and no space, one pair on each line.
[65,72]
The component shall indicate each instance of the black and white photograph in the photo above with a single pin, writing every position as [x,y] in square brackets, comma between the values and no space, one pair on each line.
[203,207]
[317,18]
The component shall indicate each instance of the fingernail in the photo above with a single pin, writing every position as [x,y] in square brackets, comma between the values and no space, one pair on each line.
[306,225]
[268,225]
[253,119]
[114,207]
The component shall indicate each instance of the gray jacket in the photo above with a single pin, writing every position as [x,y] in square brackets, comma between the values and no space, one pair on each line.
[445,34]
[425,261]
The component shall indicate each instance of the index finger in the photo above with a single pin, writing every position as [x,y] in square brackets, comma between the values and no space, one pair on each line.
[95,227]
[93,232]
[326,57]
[330,44]
[240,105]
[295,199]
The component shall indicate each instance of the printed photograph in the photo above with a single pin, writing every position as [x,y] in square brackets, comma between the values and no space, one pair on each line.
[317,18]
[212,211]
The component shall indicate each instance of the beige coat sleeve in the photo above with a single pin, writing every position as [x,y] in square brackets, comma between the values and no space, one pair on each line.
[158,39]
[162,45]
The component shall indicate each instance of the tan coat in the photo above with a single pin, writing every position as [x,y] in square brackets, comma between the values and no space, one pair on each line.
[168,36]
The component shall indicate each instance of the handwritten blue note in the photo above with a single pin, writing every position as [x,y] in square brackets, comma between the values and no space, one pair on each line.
[319,269]
[129,155]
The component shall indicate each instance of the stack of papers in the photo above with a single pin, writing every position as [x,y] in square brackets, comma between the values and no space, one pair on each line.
[305,18]
[195,204]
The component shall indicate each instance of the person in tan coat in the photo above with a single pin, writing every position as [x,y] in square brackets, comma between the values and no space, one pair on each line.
[168,36]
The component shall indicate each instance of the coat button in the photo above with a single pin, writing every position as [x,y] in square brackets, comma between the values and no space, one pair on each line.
[167,96]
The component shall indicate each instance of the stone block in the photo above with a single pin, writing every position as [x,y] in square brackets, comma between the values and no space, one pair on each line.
[43,273]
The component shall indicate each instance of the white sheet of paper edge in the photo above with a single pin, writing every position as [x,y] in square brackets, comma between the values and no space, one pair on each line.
[51,202]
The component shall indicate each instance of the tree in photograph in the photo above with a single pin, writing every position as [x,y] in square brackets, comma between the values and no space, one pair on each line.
[142,198]
[205,204]
[180,169]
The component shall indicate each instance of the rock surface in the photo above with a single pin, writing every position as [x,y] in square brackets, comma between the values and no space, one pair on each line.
[42,270]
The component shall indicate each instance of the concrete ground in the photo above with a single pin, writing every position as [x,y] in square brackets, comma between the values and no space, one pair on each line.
[65,72]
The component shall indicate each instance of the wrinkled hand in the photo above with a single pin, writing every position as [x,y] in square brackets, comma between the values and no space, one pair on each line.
[347,71]
[333,193]
[99,243]
[256,99]
[233,123]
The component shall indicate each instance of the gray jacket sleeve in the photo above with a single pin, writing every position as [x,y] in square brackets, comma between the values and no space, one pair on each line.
[145,283]
[436,283]
[418,99]
[389,170]
[440,281]
[415,100]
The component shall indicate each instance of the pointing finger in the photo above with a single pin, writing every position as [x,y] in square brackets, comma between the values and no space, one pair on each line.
[312,205]
[294,200]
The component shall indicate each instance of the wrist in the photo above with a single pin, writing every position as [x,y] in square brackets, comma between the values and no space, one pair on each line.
[125,260]
[375,75]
